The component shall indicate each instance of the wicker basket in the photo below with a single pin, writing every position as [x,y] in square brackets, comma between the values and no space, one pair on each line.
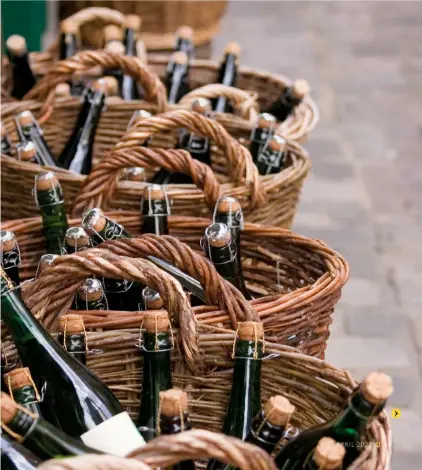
[202,354]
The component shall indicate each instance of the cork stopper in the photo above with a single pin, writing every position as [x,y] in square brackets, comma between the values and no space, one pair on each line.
[233,48]
[46,261]
[112,32]
[25,118]
[329,454]
[377,388]
[250,331]
[116,47]
[112,85]
[156,321]
[228,204]
[77,237]
[94,221]
[16,44]
[218,235]
[7,241]
[152,300]
[28,152]
[133,22]
[277,143]
[154,192]
[46,180]
[300,88]
[19,377]
[278,410]
[173,402]
[185,32]
[3,129]
[62,90]
[91,290]
[179,57]
[71,324]
[201,105]
[136,173]
[266,121]
[8,408]
[69,26]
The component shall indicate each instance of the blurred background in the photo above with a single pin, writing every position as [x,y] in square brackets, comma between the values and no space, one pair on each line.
[363,198]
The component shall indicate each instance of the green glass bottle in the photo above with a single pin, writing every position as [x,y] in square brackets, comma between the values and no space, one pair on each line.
[50,201]
[39,436]
[272,156]
[91,296]
[15,456]
[174,418]
[45,262]
[72,336]
[269,425]
[290,98]
[365,403]
[328,455]
[155,210]
[23,390]
[76,239]
[73,397]
[121,293]
[10,255]
[6,367]
[156,349]
[245,397]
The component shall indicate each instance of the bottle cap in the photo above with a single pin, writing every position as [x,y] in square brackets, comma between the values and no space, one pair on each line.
[116,47]
[300,88]
[77,237]
[329,454]
[136,173]
[277,143]
[153,301]
[25,118]
[173,402]
[154,192]
[179,57]
[94,221]
[7,241]
[69,26]
[28,151]
[113,32]
[8,408]
[46,261]
[250,331]
[156,321]
[62,90]
[46,180]
[201,105]
[19,377]
[218,235]
[71,324]
[377,388]
[278,410]
[266,121]
[233,48]
[228,204]
[133,22]
[112,85]
[16,44]
[184,32]
[91,290]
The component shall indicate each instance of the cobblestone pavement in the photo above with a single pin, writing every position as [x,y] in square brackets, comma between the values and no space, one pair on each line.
[364,196]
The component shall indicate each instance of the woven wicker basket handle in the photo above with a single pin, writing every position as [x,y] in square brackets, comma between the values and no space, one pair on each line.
[244,102]
[51,294]
[61,71]
[241,167]
[103,14]
[217,290]
[97,190]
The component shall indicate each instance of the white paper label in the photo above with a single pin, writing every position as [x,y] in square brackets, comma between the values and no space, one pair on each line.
[116,436]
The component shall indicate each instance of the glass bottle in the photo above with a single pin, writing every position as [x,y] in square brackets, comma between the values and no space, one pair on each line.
[23,390]
[14,456]
[76,239]
[184,41]
[272,157]
[328,455]
[115,47]
[156,349]
[228,211]
[69,45]
[132,28]
[10,255]
[23,78]
[6,145]
[155,210]
[289,99]
[27,152]
[176,80]
[227,75]
[50,201]
[262,131]
[45,262]
[72,336]
[152,299]
[91,296]
[365,403]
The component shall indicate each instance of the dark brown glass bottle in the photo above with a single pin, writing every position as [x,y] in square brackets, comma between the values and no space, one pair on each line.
[132,28]
[272,157]
[184,41]
[227,75]
[69,45]
[228,211]
[290,98]
[328,455]
[174,418]
[23,390]
[115,47]
[10,255]
[262,131]
[6,145]
[23,78]
[76,239]
[155,210]
[176,80]
[72,336]
[220,249]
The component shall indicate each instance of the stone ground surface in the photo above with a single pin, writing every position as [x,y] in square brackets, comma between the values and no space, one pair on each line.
[364,196]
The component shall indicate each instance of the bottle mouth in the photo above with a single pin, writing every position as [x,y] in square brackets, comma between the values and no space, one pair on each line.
[77,235]
[46,261]
[25,118]
[94,221]
[218,235]
[7,240]
[265,121]
[46,180]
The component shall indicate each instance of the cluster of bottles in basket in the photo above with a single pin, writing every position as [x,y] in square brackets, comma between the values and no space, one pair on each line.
[268,149]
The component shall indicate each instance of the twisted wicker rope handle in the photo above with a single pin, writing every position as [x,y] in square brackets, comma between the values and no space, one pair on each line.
[218,291]
[98,188]
[106,15]
[240,164]
[244,102]
[63,70]
[51,294]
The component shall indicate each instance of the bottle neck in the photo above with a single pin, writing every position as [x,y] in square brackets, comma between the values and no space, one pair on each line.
[130,42]
[155,218]
[264,434]
[75,344]
[10,263]
[111,231]
[100,304]
[25,395]
[68,45]
[176,82]
[175,424]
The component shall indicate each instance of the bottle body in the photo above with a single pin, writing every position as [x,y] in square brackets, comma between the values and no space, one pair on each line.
[176,82]
[30,131]
[14,456]
[227,76]
[23,78]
